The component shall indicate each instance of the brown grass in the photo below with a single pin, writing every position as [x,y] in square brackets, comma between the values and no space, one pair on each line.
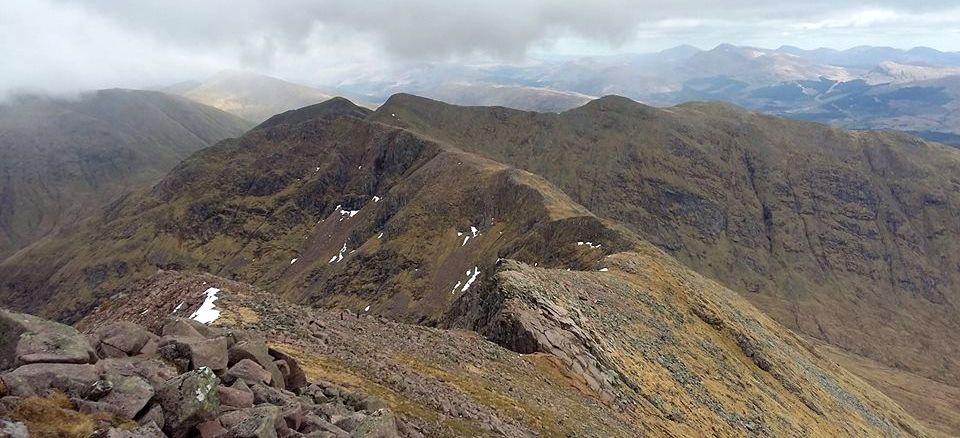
[55,416]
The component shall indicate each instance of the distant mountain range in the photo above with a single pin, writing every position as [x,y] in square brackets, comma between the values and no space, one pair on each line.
[913,90]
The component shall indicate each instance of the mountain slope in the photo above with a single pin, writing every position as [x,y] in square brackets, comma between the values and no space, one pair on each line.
[328,208]
[843,236]
[61,159]
[250,96]
[284,205]
[647,347]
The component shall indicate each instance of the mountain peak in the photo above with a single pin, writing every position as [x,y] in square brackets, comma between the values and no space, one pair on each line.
[327,110]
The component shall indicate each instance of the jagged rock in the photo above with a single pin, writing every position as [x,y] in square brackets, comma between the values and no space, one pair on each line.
[348,422]
[121,339]
[257,351]
[26,339]
[152,415]
[259,422]
[98,389]
[250,372]
[210,353]
[180,327]
[156,372]
[13,429]
[380,424]
[39,378]
[315,424]
[175,352]
[294,377]
[130,394]
[273,396]
[188,400]
[195,352]
[212,429]
[9,403]
[149,430]
[91,407]
[235,397]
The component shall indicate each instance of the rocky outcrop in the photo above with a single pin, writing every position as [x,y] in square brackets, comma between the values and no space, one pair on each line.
[26,339]
[194,380]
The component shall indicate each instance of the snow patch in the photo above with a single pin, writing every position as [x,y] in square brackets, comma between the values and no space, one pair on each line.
[344,214]
[476,273]
[380,235]
[474,232]
[366,309]
[604,269]
[177,309]
[590,244]
[294,260]
[207,312]
[337,258]
[376,199]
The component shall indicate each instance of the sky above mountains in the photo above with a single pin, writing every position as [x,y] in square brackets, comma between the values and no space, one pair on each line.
[64,45]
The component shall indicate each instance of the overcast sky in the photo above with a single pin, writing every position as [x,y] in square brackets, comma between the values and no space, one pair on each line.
[62,45]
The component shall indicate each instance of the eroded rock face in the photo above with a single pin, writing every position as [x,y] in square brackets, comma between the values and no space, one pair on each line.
[174,390]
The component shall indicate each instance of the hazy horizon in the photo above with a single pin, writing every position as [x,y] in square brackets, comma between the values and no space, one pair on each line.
[71,45]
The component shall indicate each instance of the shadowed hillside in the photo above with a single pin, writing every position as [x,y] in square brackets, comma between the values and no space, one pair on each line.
[61,159]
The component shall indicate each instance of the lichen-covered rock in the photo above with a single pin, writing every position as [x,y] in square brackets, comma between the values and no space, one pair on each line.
[188,400]
[26,339]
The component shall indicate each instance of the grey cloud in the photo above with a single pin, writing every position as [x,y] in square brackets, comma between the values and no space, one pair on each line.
[66,44]
[430,29]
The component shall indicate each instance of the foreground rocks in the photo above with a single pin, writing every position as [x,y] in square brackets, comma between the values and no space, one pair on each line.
[187,380]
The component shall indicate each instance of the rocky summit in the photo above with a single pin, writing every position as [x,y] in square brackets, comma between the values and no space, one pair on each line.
[187,379]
